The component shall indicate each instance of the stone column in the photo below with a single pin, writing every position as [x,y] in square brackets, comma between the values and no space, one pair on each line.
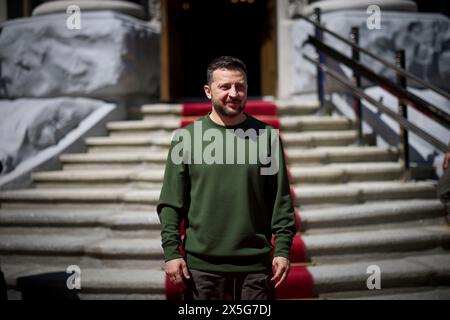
[60,6]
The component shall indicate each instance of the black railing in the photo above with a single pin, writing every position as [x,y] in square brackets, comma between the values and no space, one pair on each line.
[401,120]
[398,88]
[388,64]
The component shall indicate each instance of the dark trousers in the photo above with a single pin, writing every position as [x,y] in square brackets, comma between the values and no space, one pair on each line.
[229,285]
[3,287]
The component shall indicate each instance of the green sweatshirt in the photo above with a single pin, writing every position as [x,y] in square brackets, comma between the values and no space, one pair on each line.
[230,208]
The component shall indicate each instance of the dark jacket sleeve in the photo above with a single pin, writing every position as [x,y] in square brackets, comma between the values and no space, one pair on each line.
[173,202]
[283,215]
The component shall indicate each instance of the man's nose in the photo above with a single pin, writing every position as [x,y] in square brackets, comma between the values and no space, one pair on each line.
[233,92]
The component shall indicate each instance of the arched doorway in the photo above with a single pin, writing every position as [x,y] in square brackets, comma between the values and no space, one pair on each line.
[194,32]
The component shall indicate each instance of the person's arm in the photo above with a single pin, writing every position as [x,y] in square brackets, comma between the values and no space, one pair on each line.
[283,220]
[170,232]
[173,201]
[446,158]
[175,266]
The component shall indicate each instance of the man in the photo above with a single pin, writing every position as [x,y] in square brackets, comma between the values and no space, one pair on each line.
[231,208]
[443,186]
[446,159]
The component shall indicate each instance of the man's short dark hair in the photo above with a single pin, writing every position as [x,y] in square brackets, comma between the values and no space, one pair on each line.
[225,62]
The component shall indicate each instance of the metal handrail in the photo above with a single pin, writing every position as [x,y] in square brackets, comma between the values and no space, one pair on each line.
[401,71]
[421,105]
[398,88]
[401,120]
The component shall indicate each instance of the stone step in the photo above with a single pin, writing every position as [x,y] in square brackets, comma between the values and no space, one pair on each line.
[405,272]
[340,154]
[377,241]
[130,144]
[151,157]
[161,140]
[306,194]
[160,123]
[161,109]
[285,107]
[413,277]
[337,244]
[94,245]
[412,271]
[114,218]
[359,192]
[134,145]
[80,196]
[157,159]
[137,133]
[312,123]
[99,175]
[122,296]
[374,213]
[138,178]
[139,143]
[331,219]
[126,230]
[414,293]
[287,123]
[319,138]
[127,249]
[345,172]
[153,178]
[84,260]
[127,148]
[90,250]
[112,165]
[97,281]
[113,161]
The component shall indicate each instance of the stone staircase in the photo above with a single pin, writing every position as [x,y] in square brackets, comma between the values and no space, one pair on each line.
[99,212]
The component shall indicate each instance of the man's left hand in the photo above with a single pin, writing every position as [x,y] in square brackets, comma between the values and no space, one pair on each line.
[281,268]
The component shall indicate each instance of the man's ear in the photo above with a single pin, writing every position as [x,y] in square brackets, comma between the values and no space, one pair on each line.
[207,91]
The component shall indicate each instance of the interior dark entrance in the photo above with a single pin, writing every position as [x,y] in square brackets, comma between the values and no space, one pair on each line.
[207,29]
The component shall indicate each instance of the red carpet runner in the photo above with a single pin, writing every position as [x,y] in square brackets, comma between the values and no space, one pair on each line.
[299,283]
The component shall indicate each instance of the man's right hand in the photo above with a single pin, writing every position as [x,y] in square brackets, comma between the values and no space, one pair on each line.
[446,161]
[176,269]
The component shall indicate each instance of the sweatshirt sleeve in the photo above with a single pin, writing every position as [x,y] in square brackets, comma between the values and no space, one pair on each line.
[173,202]
[283,215]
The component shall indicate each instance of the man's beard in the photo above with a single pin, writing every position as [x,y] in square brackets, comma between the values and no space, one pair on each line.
[224,111]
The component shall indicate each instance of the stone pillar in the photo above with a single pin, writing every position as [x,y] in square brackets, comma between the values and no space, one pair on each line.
[334,5]
[3,11]
[60,6]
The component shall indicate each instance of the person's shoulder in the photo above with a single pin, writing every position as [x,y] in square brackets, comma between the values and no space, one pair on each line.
[189,124]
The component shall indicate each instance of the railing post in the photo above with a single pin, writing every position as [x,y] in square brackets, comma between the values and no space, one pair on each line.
[402,110]
[320,57]
[354,35]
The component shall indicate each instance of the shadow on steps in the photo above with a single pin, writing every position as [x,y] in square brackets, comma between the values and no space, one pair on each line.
[47,286]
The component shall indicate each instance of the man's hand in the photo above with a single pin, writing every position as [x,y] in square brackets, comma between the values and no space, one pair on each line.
[176,269]
[281,268]
[446,160]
